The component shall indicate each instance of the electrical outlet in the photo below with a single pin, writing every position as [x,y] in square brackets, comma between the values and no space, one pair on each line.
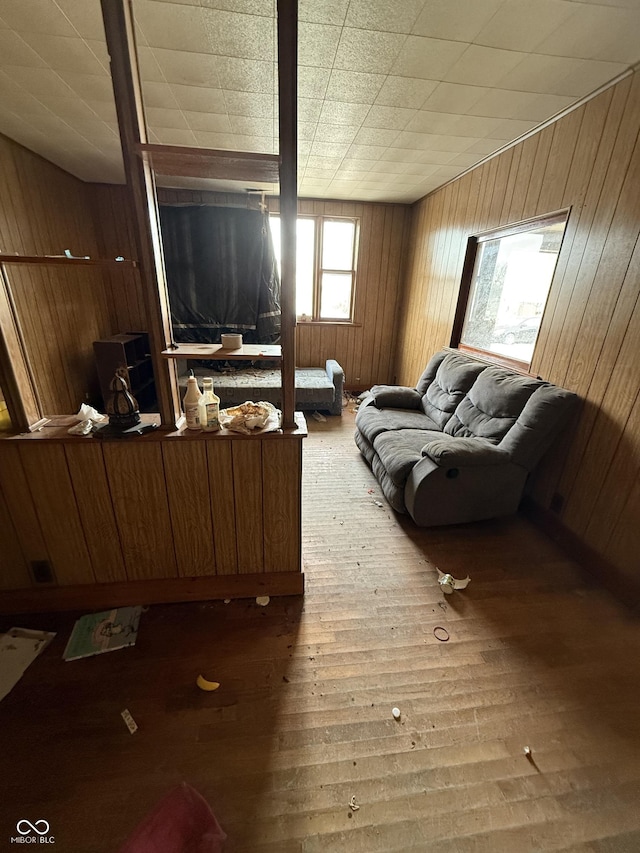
[41,571]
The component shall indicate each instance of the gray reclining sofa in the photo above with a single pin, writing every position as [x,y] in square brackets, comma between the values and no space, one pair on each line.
[459,446]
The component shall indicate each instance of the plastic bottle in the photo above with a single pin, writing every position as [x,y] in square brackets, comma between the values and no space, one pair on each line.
[209,406]
[190,403]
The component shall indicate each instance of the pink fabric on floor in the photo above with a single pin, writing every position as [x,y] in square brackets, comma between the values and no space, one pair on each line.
[181,822]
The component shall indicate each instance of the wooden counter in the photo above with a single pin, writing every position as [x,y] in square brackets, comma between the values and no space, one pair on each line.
[167,516]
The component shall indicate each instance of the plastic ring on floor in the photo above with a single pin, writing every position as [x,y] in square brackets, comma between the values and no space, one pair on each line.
[440,637]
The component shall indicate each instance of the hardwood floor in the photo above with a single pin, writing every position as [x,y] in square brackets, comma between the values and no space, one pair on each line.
[302,721]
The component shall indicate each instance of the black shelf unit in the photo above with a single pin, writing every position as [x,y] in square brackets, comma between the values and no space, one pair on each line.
[129,354]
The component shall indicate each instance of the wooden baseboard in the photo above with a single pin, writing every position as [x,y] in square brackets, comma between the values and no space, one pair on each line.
[166,590]
[621,586]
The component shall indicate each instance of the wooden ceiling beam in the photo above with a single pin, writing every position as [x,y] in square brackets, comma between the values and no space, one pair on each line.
[180,161]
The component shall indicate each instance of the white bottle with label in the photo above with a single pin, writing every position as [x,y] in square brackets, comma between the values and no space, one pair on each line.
[190,403]
[209,406]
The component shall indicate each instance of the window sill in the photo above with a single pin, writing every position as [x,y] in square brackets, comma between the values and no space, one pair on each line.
[327,323]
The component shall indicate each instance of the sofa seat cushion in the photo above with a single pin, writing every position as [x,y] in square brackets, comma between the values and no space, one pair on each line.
[399,450]
[492,406]
[454,377]
[373,422]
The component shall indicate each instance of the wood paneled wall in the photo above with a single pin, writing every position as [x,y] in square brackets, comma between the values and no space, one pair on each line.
[365,348]
[175,506]
[43,211]
[590,334]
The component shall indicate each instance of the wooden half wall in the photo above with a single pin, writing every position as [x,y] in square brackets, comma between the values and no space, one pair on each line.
[590,334]
[162,517]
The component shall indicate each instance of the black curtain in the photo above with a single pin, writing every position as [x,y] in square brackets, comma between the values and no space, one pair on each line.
[222,274]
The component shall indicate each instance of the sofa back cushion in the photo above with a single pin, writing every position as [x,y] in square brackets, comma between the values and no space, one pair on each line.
[492,406]
[443,389]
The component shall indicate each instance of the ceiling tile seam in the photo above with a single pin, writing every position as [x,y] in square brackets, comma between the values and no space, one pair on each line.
[556,117]
[324,98]
[160,69]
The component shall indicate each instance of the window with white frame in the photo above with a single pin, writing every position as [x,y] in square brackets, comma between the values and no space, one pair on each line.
[326,252]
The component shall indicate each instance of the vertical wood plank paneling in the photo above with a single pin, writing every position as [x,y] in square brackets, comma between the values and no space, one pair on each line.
[222,506]
[281,469]
[247,463]
[139,495]
[14,573]
[44,210]
[187,478]
[589,341]
[93,498]
[45,467]
[13,483]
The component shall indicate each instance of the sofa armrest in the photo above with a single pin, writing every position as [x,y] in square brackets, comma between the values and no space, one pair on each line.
[336,375]
[449,451]
[395,397]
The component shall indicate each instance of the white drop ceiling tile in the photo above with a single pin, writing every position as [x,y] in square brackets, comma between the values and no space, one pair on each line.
[71,109]
[368,50]
[350,175]
[40,82]
[546,106]
[207,139]
[419,171]
[214,122]
[376,136]
[14,50]
[427,58]
[458,20]
[473,126]
[405,92]
[306,130]
[61,53]
[245,75]
[336,133]
[97,132]
[304,149]
[434,142]
[326,12]
[177,136]
[105,110]
[36,16]
[426,121]
[388,16]
[89,86]
[325,174]
[329,149]
[367,152]
[309,109]
[501,103]
[358,164]
[198,99]
[523,24]
[509,129]
[388,167]
[597,32]
[354,86]
[199,30]
[193,69]
[99,50]
[392,118]
[313,82]
[483,66]
[257,144]
[337,112]
[257,104]
[315,161]
[484,147]
[251,126]
[150,70]
[85,18]
[160,117]
[587,78]
[317,44]
[465,160]
[248,7]
[434,158]
[453,98]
